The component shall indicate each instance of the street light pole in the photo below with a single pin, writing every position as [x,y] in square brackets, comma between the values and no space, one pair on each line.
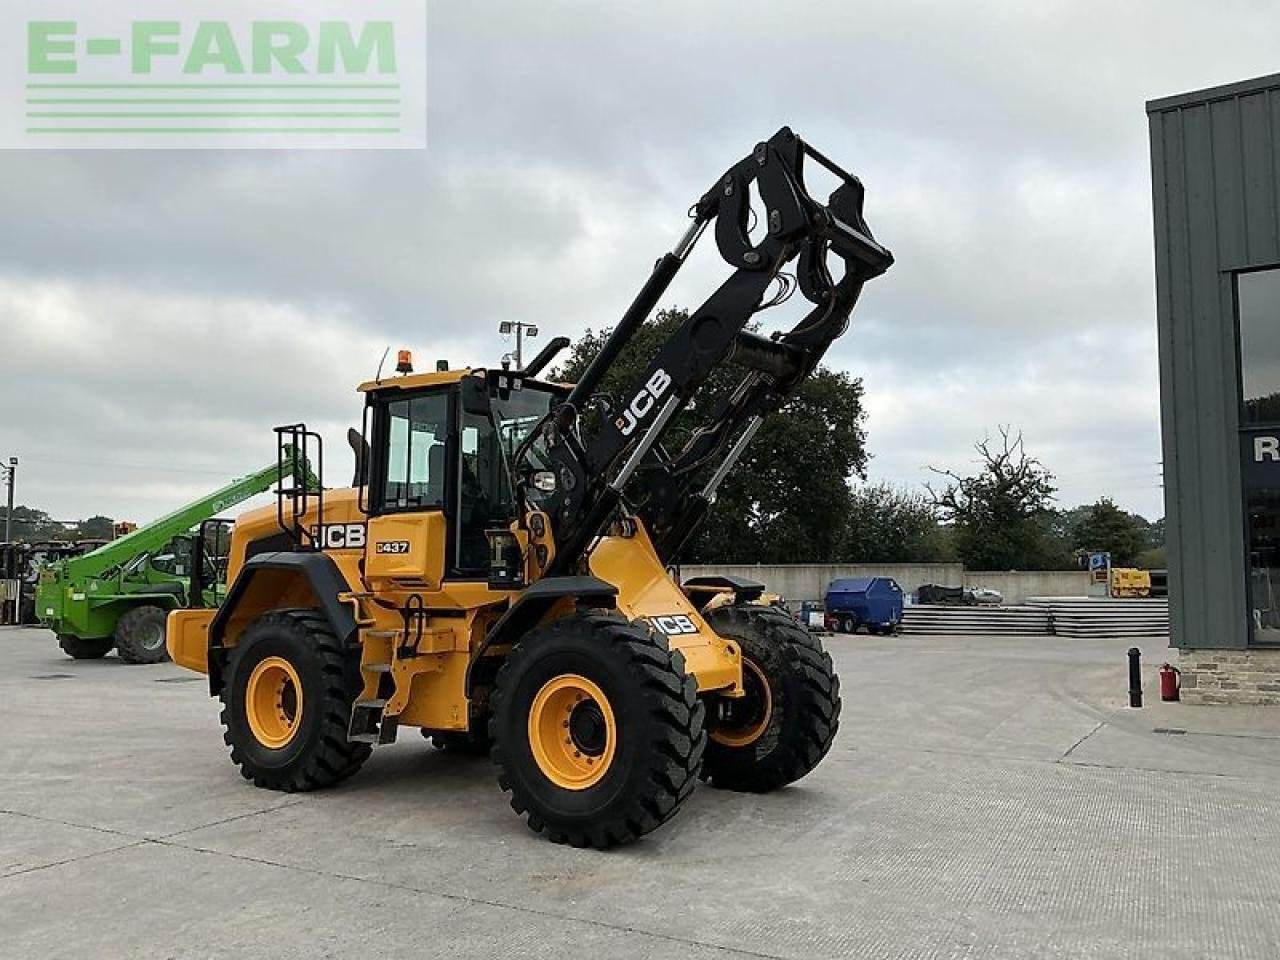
[520,328]
[10,473]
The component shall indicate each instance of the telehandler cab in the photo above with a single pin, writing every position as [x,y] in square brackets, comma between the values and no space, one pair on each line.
[494,577]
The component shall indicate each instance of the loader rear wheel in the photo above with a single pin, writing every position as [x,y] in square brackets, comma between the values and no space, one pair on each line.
[786,723]
[85,648]
[286,703]
[139,635]
[597,730]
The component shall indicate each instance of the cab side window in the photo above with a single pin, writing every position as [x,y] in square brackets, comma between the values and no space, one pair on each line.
[417,429]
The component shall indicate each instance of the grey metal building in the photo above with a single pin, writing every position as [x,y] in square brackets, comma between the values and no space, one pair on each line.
[1215,160]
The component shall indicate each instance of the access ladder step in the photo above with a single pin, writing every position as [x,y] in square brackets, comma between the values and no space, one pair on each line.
[368,723]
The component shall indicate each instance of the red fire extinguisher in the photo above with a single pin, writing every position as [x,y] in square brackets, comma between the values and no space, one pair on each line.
[1170,682]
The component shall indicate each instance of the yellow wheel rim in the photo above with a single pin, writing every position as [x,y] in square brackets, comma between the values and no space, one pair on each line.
[273,702]
[572,732]
[757,710]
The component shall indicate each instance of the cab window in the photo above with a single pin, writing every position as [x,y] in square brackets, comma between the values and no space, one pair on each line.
[417,429]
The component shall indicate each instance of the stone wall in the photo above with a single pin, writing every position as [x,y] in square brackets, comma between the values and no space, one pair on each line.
[1249,677]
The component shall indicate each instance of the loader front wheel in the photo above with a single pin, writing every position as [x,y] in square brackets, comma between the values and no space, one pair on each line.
[85,648]
[785,724]
[597,730]
[286,703]
[139,635]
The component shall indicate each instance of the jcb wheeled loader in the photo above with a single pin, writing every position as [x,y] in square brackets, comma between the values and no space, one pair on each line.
[494,578]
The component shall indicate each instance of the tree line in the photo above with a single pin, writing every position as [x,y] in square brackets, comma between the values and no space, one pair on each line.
[30,525]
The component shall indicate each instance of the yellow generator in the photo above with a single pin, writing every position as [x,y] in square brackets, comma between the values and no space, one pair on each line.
[1130,582]
[493,578]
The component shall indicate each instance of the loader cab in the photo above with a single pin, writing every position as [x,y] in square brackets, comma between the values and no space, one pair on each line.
[440,469]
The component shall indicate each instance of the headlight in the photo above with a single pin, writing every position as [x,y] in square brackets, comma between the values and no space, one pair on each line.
[544,481]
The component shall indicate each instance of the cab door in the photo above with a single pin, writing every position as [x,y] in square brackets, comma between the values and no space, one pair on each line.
[410,483]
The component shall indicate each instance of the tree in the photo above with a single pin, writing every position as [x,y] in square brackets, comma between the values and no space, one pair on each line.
[786,499]
[1103,527]
[95,528]
[1002,516]
[890,525]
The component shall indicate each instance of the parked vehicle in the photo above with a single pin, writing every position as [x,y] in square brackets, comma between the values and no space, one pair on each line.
[119,594]
[983,597]
[933,594]
[871,602]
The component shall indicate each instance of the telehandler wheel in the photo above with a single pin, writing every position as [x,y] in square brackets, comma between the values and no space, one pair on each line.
[786,722]
[597,730]
[286,703]
[140,635]
[85,648]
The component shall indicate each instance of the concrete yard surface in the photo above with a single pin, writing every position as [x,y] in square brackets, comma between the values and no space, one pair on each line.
[985,798]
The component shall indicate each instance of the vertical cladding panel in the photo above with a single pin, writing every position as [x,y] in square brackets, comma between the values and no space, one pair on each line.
[1170,227]
[1201,430]
[1228,607]
[1273,131]
[1227,171]
[1262,239]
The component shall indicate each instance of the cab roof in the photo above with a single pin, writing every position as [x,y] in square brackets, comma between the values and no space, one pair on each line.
[437,378]
[411,381]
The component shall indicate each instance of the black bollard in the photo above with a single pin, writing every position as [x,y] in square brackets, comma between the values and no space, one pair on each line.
[1135,677]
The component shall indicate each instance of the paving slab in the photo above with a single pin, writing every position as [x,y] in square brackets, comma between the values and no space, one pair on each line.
[986,797]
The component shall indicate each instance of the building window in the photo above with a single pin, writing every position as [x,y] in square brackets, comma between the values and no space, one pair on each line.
[1264,564]
[1258,299]
[1258,318]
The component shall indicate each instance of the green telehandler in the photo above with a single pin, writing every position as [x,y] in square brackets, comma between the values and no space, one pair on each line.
[119,594]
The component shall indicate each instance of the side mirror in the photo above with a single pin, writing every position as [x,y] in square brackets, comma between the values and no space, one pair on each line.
[475,396]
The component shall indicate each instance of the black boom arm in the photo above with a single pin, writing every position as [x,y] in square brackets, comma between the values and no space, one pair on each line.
[592,473]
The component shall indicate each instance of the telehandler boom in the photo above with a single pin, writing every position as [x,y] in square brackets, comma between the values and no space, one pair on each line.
[493,578]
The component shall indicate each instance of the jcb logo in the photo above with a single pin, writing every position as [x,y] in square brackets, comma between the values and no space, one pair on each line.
[675,625]
[342,536]
[643,402]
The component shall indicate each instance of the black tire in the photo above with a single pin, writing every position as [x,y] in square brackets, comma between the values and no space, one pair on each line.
[777,736]
[474,742]
[27,612]
[318,753]
[658,735]
[849,625]
[85,648]
[139,635]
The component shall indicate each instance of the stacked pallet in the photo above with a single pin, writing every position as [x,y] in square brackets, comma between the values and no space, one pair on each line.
[979,621]
[1102,617]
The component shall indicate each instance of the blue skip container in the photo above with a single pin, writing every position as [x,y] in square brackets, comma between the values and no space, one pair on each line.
[871,602]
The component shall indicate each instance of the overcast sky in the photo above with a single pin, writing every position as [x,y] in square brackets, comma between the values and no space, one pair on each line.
[161,311]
